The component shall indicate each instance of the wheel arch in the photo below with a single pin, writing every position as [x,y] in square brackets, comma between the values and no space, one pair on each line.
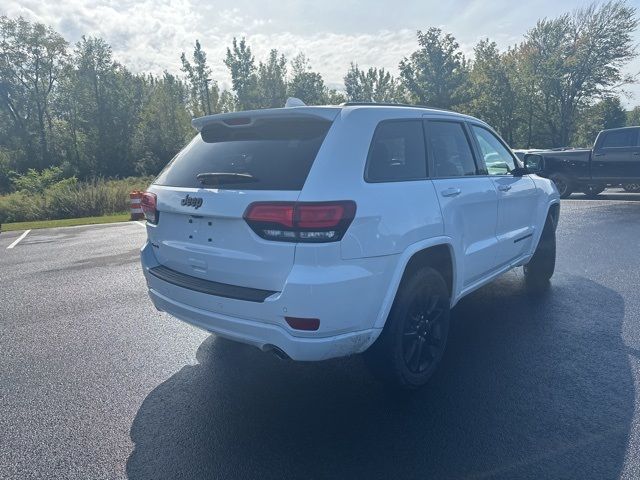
[554,211]
[551,208]
[438,253]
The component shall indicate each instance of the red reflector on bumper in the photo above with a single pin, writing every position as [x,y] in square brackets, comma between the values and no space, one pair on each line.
[310,324]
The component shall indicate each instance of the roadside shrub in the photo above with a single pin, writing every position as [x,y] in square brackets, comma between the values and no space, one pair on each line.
[70,198]
[20,207]
[37,182]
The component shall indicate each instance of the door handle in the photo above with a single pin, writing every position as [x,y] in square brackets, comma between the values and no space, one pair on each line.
[598,154]
[504,188]
[451,192]
[636,153]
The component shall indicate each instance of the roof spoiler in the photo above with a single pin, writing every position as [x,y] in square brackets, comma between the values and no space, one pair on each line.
[248,118]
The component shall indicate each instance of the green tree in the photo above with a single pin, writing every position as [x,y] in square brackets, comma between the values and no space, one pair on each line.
[493,97]
[335,97]
[71,139]
[271,81]
[607,113]
[306,84]
[529,129]
[633,117]
[110,98]
[437,73]
[228,102]
[32,56]
[241,65]
[204,90]
[164,125]
[374,85]
[6,171]
[94,77]
[575,58]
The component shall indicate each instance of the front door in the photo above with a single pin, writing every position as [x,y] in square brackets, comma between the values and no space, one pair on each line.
[616,156]
[517,197]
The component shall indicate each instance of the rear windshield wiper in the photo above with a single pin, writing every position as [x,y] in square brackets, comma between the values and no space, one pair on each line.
[219,178]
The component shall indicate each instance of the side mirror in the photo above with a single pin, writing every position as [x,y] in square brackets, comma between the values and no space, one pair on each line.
[533,163]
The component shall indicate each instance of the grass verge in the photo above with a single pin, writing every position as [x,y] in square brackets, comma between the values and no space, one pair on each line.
[67,222]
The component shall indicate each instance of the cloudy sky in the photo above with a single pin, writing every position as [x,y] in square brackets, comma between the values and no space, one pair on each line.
[149,35]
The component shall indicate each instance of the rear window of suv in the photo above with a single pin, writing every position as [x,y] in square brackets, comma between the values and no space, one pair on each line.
[397,152]
[271,154]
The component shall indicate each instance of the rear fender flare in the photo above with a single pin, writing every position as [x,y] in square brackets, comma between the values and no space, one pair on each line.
[402,263]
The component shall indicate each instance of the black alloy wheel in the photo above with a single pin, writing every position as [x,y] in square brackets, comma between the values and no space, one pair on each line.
[414,338]
[424,333]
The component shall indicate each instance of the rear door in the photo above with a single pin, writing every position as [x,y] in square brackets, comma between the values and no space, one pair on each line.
[468,198]
[201,230]
[517,197]
[616,155]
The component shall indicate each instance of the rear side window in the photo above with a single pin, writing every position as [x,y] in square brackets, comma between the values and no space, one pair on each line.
[397,152]
[272,154]
[619,138]
[452,156]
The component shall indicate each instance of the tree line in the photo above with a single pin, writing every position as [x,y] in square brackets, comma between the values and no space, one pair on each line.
[77,108]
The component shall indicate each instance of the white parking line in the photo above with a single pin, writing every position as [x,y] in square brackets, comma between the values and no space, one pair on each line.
[140,223]
[17,240]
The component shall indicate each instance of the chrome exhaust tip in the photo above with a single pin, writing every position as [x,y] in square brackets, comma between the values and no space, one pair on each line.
[278,352]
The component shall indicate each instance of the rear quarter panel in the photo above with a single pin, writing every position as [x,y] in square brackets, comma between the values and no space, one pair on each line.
[390,216]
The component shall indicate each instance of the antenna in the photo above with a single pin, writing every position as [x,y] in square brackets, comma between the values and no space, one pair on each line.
[294,102]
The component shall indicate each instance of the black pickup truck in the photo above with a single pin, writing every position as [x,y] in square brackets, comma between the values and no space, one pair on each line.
[613,161]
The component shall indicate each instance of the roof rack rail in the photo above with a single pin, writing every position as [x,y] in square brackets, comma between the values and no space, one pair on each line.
[392,104]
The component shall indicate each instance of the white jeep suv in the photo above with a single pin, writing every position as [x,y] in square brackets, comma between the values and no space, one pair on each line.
[319,232]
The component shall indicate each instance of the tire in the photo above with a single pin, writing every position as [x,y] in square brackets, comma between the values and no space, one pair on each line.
[631,187]
[592,191]
[540,268]
[563,184]
[414,338]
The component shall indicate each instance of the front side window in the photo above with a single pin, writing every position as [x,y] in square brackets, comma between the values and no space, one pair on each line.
[619,138]
[397,152]
[452,156]
[496,156]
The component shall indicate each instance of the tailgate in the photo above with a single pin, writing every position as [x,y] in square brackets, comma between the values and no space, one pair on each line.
[202,195]
[214,242]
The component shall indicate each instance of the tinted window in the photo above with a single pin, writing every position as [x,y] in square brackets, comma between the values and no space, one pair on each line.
[450,148]
[619,138]
[496,156]
[397,152]
[278,154]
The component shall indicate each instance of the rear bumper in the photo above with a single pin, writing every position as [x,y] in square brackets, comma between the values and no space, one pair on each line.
[266,336]
[342,300]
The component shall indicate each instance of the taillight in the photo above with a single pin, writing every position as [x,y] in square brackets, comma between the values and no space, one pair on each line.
[271,213]
[149,207]
[301,221]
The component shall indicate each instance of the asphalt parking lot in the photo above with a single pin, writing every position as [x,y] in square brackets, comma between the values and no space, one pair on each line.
[97,384]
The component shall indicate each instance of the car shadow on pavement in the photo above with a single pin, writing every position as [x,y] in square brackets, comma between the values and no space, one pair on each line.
[531,387]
